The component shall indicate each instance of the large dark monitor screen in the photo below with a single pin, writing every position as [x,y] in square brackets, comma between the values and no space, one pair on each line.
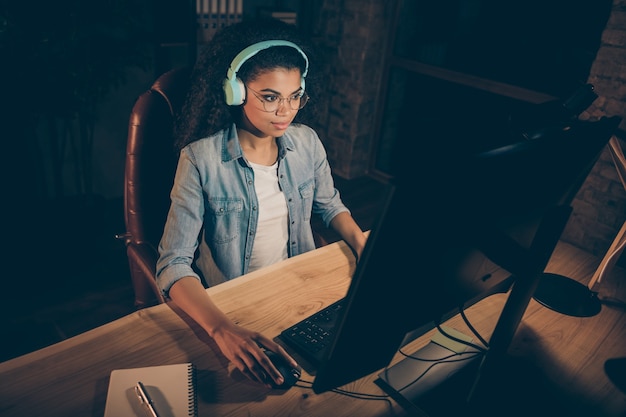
[453,231]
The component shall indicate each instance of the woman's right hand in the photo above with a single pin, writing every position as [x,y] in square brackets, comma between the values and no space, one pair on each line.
[244,348]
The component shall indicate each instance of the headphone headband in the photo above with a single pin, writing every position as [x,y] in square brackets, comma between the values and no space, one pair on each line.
[234,89]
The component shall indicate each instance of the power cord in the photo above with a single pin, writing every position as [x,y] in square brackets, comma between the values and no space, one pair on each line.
[351,394]
[456,339]
[479,351]
[472,329]
[437,361]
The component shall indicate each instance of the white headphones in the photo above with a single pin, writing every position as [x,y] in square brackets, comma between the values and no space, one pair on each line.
[234,89]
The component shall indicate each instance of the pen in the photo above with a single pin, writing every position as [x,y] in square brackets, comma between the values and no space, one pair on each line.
[145,399]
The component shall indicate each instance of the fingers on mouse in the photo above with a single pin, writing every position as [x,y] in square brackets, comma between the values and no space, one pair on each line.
[290,374]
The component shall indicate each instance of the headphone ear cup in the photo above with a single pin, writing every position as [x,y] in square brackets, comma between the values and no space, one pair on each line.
[234,91]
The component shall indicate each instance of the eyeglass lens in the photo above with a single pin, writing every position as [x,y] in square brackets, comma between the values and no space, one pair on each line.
[271,103]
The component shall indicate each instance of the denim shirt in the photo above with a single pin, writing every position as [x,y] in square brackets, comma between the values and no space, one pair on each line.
[213,198]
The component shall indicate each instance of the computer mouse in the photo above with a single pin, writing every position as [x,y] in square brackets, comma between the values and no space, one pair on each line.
[289,373]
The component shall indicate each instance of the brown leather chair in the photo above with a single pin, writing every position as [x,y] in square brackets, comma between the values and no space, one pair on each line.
[149,174]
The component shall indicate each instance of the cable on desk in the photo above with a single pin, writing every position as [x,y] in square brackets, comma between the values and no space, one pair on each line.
[472,329]
[456,339]
[445,359]
[364,396]
[352,394]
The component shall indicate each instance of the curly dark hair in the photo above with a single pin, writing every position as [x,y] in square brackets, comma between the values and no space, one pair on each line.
[205,111]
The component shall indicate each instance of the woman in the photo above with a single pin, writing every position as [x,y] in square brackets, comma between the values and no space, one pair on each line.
[249,178]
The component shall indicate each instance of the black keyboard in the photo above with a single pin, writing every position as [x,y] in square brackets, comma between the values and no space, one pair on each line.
[312,336]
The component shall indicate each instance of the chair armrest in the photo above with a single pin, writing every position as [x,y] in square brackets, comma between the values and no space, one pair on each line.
[142,259]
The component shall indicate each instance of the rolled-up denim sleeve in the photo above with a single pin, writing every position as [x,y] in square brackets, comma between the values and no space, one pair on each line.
[327,200]
[180,237]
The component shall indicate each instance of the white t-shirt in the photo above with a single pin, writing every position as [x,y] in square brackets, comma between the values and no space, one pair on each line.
[272,234]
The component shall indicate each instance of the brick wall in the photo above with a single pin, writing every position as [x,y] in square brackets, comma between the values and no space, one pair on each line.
[353,44]
[599,208]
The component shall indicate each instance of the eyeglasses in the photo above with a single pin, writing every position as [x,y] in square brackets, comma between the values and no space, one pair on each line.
[271,102]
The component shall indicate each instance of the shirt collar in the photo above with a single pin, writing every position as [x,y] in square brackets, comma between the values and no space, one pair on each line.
[231,148]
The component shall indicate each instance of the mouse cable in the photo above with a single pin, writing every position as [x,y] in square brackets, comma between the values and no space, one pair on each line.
[309,383]
[360,395]
[352,394]
[363,395]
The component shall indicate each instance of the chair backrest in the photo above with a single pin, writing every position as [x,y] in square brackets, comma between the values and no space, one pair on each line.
[149,173]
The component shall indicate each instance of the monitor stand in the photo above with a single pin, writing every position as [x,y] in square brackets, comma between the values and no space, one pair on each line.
[566,296]
[615,369]
[416,384]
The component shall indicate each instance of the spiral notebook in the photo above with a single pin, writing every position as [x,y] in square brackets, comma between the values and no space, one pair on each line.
[172,389]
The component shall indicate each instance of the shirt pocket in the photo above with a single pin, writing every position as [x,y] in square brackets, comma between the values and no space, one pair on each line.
[223,219]
[306,192]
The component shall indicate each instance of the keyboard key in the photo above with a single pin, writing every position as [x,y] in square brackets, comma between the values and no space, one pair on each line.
[312,335]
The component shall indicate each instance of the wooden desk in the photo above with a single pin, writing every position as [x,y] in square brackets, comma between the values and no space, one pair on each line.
[71,378]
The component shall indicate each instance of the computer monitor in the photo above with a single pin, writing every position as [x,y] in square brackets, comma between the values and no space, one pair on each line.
[452,232]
